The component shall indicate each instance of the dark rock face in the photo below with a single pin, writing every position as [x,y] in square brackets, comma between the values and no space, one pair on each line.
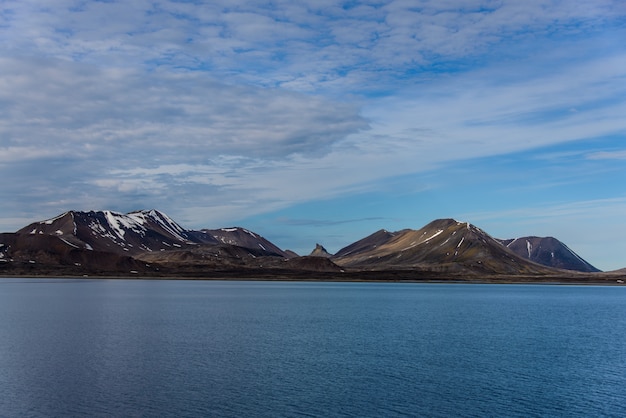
[548,251]
[320,251]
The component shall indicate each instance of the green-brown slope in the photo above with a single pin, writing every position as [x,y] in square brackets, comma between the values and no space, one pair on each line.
[444,245]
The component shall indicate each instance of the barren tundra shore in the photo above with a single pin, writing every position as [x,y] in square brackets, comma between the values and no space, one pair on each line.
[384,276]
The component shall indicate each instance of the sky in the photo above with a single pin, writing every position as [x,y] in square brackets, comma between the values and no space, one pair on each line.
[320,121]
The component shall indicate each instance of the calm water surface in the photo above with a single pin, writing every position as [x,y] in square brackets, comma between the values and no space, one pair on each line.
[208,348]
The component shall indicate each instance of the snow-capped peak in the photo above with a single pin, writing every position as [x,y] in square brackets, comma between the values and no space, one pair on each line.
[145,217]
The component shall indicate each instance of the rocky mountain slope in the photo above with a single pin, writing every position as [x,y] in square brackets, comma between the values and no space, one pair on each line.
[548,251]
[443,245]
[106,241]
[130,233]
[49,254]
[245,238]
[139,232]
[368,243]
[320,251]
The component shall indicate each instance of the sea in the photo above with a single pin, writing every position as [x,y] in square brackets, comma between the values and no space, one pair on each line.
[184,348]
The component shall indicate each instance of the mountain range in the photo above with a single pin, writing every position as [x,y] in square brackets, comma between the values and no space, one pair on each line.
[149,243]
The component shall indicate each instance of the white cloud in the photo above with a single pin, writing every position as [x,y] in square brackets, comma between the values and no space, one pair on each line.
[192,139]
[11,154]
[52,104]
[262,43]
[608,155]
[479,114]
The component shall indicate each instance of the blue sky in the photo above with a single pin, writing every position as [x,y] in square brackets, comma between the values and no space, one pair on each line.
[321,121]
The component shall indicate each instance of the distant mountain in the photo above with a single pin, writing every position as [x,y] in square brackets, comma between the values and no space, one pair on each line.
[442,245]
[320,251]
[139,232]
[368,243]
[245,238]
[404,248]
[131,233]
[148,242]
[109,241]
[548,251]
[291,254]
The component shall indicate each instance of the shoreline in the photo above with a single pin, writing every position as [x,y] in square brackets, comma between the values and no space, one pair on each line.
[594,279]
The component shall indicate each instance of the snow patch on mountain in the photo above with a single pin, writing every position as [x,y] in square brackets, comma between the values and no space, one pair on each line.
[433,236]
[118,222]
[161,219]
[69,243]
[250,233]
[51,220]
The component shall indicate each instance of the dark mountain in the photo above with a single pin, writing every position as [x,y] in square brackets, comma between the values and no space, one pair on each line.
[112,241]
[6,240]
[29,252]
[442,245]
[548,251]
[211,256]
[368,243]
[130,234]
[151,243]
[291,254]
[139,232]
[320,251]
[244,238]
